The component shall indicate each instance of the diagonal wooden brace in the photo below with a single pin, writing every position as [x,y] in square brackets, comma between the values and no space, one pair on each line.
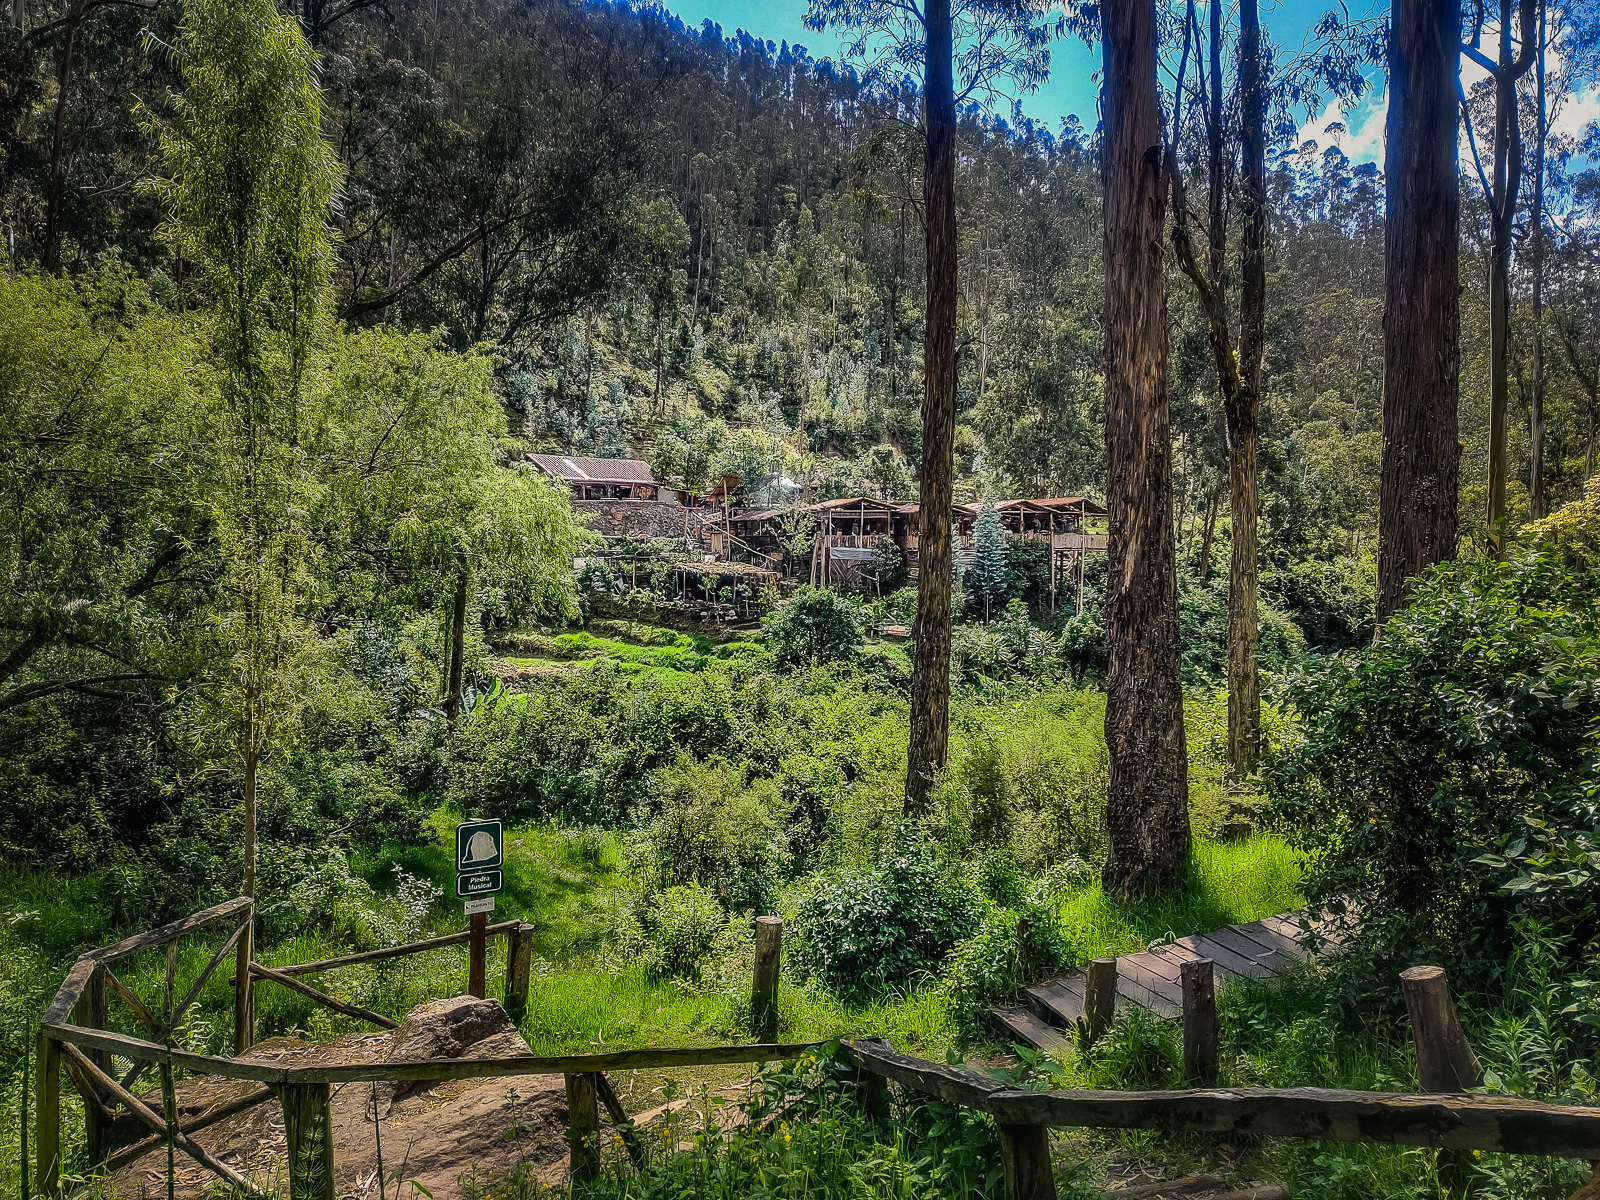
[140,1110]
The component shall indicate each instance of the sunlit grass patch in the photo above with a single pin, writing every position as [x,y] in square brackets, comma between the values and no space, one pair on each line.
[1228,883]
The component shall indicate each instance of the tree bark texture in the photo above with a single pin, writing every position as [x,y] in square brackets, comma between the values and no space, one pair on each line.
[1421,323]
[1242,409]
[1538,502]
[1147,811]
[458,641]
[930,676]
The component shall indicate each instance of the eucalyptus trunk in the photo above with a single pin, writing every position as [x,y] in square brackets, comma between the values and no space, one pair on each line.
[1503,191]
[1538,501]
[1238,373]
[1147,811]
[930,675]
[458,641]
[1242,407]
[1417,518]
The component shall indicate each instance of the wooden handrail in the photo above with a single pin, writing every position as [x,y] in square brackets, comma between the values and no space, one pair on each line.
[1445,1121]
[486,1068]
[172,931]
[368,956]
[338,1006]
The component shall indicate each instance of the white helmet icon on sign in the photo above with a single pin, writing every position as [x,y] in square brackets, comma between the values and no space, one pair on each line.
[480,848]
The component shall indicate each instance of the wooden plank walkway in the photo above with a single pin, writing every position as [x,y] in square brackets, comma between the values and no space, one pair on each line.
[1150,979]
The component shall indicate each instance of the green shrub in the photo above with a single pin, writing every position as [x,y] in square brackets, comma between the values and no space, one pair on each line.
[1035,780]
[680,926]
[812,782]
[1333,603]
[712,830]
[1082,647]
[304,889]
[1471,726]
[1140,1052]
[1013,947]
[1203,631]
[864,933]
[813,627]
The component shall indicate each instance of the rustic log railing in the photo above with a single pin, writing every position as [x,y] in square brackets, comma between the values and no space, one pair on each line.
[73,1037]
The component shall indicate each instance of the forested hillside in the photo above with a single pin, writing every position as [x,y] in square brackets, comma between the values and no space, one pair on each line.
[289,297]
[660,229]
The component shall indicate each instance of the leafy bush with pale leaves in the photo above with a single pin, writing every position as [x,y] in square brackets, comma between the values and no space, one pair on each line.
[889,928]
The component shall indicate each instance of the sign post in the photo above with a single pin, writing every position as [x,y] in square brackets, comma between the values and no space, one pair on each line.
[480,853]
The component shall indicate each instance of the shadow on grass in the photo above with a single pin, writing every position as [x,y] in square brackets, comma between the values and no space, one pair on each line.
[1228,883]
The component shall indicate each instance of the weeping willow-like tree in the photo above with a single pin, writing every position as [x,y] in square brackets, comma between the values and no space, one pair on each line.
[249,184]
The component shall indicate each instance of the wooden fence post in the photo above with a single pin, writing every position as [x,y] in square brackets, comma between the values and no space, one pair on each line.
[1445,1062]
[583,1126]
[1025,1152]
[47,1116]
[244,1017]
[764,991]
[308,1127]
[477,946]
[519,967]
[1201,1029]
[1099,995]
[91,1013]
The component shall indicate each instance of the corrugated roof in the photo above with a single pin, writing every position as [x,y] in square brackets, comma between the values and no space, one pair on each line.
[858,502]
[576,469]
[1072,502]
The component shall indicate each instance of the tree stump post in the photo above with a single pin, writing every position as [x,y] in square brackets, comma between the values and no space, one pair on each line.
[308,1127]
[1099,995]
[477,951]
[1201,1029]
[519,968]
[1025,1152]
[764,990]
[583,1126]
[47,1115]
[1445,1062]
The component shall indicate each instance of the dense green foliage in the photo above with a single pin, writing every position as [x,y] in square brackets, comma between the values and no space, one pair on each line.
[813,627]
[890,926]
[1443,782]
[265,455]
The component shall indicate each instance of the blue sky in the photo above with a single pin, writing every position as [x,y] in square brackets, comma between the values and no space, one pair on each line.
[1073,84]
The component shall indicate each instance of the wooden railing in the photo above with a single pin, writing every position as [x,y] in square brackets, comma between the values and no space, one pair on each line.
[73,1036]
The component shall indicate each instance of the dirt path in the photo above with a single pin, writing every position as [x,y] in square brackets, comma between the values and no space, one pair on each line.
[434,1135]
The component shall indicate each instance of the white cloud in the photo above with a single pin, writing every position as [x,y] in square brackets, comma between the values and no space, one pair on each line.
[1359,131]
[1576,110]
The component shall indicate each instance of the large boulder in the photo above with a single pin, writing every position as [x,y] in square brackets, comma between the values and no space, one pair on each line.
[461,1027]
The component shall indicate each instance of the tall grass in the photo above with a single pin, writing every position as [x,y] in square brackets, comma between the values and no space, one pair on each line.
[1228,883]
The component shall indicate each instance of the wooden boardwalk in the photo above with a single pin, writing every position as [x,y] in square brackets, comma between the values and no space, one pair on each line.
[1149,979]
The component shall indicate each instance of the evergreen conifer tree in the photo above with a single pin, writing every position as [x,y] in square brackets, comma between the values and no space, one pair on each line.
[988,578]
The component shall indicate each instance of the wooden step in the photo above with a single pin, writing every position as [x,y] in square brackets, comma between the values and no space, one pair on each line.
[1017,1024]
[1057,1001]
[1151,979]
